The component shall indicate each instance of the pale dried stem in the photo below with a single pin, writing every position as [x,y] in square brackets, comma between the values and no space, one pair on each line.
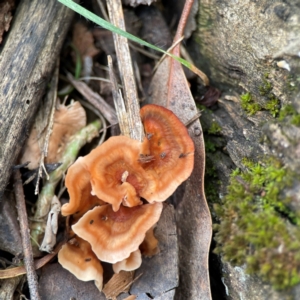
[126,71]
[118,101]
[51,97]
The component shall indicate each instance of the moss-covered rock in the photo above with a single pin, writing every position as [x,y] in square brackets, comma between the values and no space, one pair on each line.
[257,227]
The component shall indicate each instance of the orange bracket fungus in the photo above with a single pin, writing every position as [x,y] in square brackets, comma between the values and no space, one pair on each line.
[116,175]
[78,258]
[115,235]
[167,152]
[131,263]
[107,190]
[149,246]
[79,188]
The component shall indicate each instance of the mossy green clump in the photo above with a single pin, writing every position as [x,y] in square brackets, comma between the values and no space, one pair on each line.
[289,111]
[266,87]
[273,106]
[215,128]
[256,226]
[249,105]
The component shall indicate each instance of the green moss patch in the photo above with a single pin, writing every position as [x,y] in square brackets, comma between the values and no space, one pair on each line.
[256,226]
[288,112]
[215,128]
[249,105]
[266,87]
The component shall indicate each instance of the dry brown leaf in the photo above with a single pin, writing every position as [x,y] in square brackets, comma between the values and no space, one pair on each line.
[49,240]
[170,88]
[119,283]
[6,8]
[83,40]
[56,283]
[67,121]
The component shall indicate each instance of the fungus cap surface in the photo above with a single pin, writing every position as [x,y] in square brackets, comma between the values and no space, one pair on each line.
[116,175]
[170,150]
[130,263]
[149,246]
[115,235]
[79,188]
[78,258]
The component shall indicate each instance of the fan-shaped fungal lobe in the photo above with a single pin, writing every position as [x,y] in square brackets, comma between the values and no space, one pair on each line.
[116,175]
[167,153]
[115,235]
[130,263]
[149,246]
[78,258]
[79,188]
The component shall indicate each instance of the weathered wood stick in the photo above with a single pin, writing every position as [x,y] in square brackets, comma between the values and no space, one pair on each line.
[26,63]
[135,125]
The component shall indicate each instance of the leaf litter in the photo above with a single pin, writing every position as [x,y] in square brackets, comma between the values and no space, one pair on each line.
[168,88]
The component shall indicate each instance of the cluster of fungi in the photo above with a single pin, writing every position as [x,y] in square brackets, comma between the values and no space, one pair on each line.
[116,194]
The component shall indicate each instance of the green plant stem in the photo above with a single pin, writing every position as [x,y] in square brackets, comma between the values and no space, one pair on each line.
[44,200]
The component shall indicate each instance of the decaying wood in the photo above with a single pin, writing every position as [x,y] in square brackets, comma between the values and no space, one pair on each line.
[239,44]
[8,287]
[26,63]
[10,238]
[119,283]
[126,71]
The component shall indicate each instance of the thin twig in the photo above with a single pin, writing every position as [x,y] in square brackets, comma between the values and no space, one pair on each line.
[118,101]
[17,271]
[169,50]
[194,118]
[95,99]
[27,250]
[143,51]
[98,79]
[103,10]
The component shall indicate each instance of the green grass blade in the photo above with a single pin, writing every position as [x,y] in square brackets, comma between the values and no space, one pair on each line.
[101,22]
